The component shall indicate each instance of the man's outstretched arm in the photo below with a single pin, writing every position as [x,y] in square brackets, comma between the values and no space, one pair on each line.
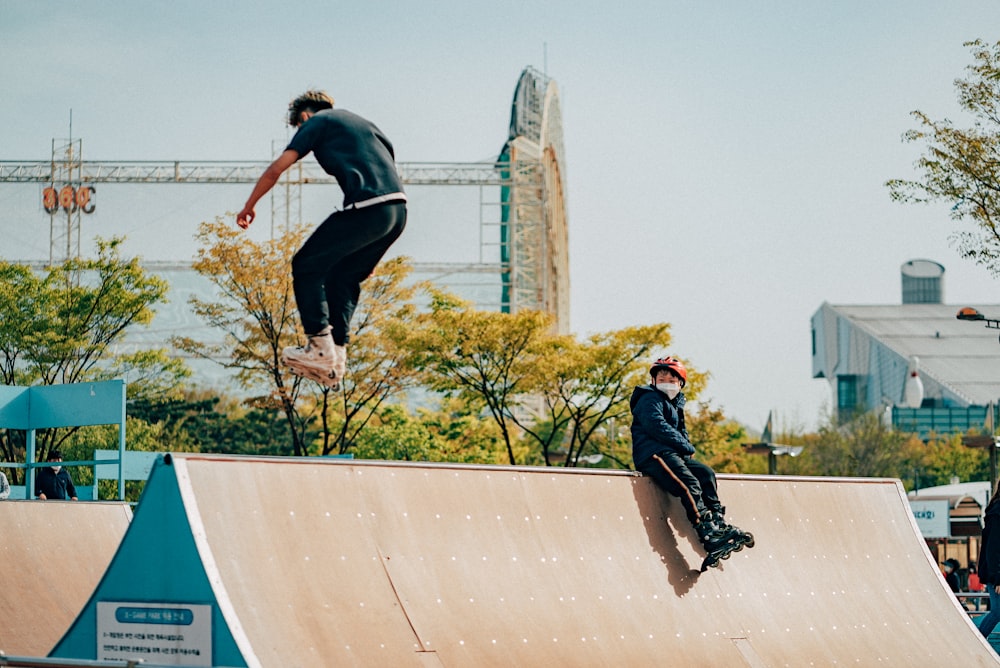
[264,185]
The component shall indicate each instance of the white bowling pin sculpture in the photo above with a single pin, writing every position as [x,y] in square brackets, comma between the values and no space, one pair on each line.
[913,389]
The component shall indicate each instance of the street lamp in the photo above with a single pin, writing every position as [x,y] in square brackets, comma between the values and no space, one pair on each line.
[986,440]
[773,451]
[972,315]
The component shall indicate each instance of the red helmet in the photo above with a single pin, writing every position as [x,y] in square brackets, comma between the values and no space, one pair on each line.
[673,364]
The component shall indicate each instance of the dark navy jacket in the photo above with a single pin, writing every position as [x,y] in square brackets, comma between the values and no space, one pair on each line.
[657,424]
[54,485]
[989,551]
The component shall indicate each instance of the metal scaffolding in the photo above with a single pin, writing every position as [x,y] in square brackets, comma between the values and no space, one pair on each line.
[286,197]
[535,235]
[239,171]
[531,264]
[60,199]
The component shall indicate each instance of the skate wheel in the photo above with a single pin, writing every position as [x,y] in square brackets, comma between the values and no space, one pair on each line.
[750,540]
[727,555]
[738,547]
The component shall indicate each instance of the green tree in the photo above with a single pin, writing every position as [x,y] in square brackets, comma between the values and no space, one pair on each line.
[961,166]
[393,435]
[446,434]
[861,447]
[482,356]
[63,326]
[204,421]
[381,367]
[945,457]
[591,384]
[545,424]
[461,435]
[719,441]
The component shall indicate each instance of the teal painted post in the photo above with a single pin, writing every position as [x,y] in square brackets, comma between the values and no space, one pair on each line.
[15,402]
[29,470]
[121,451]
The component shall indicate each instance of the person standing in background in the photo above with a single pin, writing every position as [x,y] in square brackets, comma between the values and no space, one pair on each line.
[54,482]
[989,563]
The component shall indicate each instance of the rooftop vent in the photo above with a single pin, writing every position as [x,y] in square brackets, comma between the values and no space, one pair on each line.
[923,282]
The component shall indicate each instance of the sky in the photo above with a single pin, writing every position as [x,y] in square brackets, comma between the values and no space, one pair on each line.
[726,161]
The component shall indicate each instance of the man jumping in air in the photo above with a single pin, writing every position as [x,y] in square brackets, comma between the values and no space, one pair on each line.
[344,250]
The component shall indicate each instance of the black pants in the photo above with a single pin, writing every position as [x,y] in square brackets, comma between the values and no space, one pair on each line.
[688,479]
[342,252]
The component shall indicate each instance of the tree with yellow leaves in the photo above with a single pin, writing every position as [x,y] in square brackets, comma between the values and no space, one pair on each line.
[255,311]
[254,308]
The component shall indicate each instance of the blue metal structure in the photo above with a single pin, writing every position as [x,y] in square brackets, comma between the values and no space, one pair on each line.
[157,566]
[52,406]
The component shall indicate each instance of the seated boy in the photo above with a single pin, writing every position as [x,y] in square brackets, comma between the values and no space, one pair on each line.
[662,450]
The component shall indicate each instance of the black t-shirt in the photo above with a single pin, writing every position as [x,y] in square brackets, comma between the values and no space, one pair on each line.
[353,151]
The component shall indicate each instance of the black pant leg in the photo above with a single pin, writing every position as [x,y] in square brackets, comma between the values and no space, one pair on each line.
[670,471]
[341,253]
[709,486]
[343,282]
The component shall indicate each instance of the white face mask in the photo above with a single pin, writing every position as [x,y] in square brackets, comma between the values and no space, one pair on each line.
[669,389]
[56,469]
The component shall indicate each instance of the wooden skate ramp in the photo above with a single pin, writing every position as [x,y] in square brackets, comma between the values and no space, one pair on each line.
[374,564]
[52,555]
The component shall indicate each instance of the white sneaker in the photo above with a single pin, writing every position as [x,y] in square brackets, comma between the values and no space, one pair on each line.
[316,358]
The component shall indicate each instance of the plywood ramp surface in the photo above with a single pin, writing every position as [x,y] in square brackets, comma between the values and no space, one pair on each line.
[52,555]
[422,565]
